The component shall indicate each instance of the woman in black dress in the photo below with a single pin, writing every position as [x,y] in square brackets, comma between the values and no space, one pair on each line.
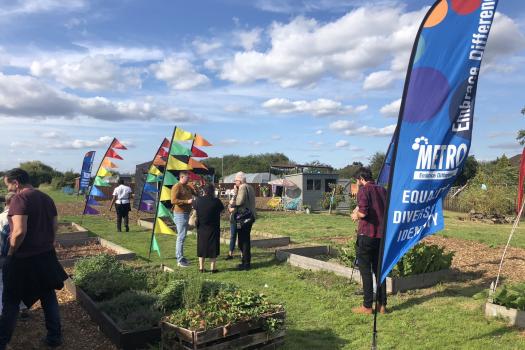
[208,209]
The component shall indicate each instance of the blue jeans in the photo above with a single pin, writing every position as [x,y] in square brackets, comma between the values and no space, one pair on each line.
[181,221]
[233,235]
[11,307]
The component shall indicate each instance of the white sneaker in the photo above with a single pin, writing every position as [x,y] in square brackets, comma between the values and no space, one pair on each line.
[183,263]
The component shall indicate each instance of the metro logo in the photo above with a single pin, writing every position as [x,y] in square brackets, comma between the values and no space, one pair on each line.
[438,161]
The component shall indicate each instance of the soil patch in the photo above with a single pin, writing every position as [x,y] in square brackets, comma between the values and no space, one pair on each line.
[81,250]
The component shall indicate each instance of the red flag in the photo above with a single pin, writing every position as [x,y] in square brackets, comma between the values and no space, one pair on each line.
[194,177]
[163,153]
[520,181]
[198,153]
[166,143]
[113,154]
[195,164]
[159,161]
[116,144]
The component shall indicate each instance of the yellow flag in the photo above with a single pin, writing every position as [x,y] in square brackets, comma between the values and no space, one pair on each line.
[161,227]
[181,135]
[175,164]
[165,194]
[106,163]
[154,170]
[103,172]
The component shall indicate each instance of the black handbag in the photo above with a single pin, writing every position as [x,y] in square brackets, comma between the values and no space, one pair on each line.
[244,217]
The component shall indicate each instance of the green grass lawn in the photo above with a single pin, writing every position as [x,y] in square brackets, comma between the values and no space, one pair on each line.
[318,304]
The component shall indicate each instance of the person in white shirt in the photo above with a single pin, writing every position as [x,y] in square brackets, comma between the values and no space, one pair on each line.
[122,195]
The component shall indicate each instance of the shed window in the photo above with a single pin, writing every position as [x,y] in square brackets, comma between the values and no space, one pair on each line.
[309,185]
[317,185]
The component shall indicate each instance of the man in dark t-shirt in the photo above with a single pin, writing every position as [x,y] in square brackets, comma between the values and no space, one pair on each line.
[31,271]
[370,211]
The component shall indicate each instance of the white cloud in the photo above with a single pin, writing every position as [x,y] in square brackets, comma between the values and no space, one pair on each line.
[204,47]
[319,108]
[342,144]
[24,96]
[506,38]
[50,135]
[248,39]
[179,74]
[22,7]
[92,73]
[228,142]
[304,50]
[391,109]
[511,146]
[319,132]
[293,6]
[350,128]
[380,80]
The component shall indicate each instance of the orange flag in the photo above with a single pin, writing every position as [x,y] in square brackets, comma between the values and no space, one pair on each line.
[200,141]
[106,163]
[196,164]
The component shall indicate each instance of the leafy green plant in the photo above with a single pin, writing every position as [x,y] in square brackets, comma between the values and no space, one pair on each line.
[170,298]
[337,199]
[104,277]
[511,296]
[133,310]
[423,258]
[227,308]
[347,254]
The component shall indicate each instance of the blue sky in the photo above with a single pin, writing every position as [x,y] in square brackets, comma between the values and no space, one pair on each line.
[316,80]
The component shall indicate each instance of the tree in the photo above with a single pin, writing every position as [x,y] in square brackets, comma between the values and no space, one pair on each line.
[521,133]
[349,171]
[39,172]
[469,171]
[376,163]
[232,163]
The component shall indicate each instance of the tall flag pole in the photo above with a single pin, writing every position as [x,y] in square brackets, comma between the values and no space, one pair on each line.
[169,178]
[103,171]
[520,181]
[434,125]
[152,178]
[85,173]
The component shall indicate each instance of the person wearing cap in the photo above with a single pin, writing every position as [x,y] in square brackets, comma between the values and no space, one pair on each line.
[245,200]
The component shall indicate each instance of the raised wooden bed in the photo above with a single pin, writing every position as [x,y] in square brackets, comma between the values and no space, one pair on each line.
[127,340]
[147,223]
[242,335]
[513,317]
[303,257]
[260,240]
[67,231]
[121,253]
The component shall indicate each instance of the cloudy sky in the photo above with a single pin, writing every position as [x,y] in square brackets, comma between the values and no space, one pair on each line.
[314,79]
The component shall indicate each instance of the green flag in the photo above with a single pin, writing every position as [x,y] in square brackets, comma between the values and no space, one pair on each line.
[152,178]
[100,182]
[169,179]
[179,150]
[155,246]
[163,212]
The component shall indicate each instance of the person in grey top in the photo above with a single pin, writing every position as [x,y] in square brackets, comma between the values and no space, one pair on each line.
[245,200]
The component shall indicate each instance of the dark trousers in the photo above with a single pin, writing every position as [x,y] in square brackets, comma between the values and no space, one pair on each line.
[245,245]
[233,235]
[122,213]
[11,307]
[367,259]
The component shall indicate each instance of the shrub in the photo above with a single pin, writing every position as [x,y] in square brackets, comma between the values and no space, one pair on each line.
[495,200]
[338,197]
[133,310]
[103,277]
[170,298]
[347,254]
[423,258]
[512,296]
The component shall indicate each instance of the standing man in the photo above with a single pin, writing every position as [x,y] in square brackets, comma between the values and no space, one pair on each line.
[244,200]
[370,211]
[121,198]
[182,198]
[31,271]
